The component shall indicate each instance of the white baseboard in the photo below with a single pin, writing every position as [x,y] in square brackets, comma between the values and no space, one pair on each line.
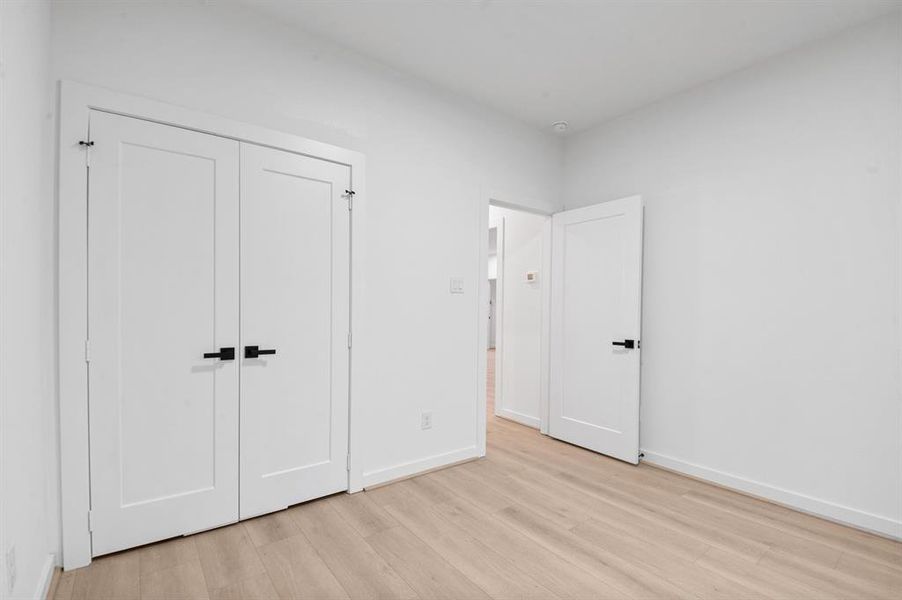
[40,592]
[520,418]
[383,475]
[859,519]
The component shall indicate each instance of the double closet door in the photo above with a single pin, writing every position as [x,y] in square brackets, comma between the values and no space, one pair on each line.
[218,293]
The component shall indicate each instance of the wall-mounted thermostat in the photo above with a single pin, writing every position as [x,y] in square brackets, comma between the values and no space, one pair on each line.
[532,276]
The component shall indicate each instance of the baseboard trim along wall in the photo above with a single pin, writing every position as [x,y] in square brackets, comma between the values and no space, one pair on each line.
[520,418]
[844,515]
[40,591]
[416,467]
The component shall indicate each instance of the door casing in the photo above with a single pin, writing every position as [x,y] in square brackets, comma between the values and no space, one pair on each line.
[76,102]
[503,200]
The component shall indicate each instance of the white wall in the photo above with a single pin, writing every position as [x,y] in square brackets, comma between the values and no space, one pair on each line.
[519,342]
[771,292]
[430,157]
[29,509]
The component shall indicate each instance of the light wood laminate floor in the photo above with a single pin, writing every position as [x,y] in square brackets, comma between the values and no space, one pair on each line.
[535,519]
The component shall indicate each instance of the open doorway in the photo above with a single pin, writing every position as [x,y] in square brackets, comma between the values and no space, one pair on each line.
[574,379]
[516,353]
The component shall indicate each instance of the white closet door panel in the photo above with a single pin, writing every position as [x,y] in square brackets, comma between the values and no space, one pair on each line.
[295,269]
[163,290]
[596,316]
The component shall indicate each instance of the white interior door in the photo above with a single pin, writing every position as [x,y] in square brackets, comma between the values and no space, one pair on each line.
[295,303]
[163,291]
[595,327]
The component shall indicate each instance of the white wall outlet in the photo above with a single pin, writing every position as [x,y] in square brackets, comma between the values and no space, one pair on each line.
[426,419]
[457,285]
[11,569]
[532,276]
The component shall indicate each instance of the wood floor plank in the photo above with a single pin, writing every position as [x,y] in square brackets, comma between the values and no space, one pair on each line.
[430,575]
[769,582]
[728,529]
[271,528]
[840,537]
[362,572]
[167,554]
[558,574]
[254,588]
[113,577]
[389,494]
[428,491]
[767,534]
[664,563]
[185,580]
[620,573]
[64,586]
[506,463]
[883,575]
[629,523]
[557,508]
[461,483]
[54,582]
[663,516]
[227,556]
[362,513]
[298,572]
[827,580]
[498,576]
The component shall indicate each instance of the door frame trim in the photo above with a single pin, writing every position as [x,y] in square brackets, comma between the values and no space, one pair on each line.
[76,101]
[497,199]
[499,313]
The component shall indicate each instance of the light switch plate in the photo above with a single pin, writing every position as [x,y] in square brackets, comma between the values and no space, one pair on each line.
[426,419]
[457,285]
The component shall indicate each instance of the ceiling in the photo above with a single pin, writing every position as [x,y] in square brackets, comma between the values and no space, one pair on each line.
[580,61]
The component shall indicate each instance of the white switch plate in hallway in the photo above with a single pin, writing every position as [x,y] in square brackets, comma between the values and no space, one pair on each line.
[426,420]
[457,285]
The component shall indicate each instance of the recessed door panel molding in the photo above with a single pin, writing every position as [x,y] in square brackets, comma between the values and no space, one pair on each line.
[163,291]
[295,303]
[595,327]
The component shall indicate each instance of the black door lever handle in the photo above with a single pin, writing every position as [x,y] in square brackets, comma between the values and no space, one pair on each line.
[625,343]
[223,354]
[255,351]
